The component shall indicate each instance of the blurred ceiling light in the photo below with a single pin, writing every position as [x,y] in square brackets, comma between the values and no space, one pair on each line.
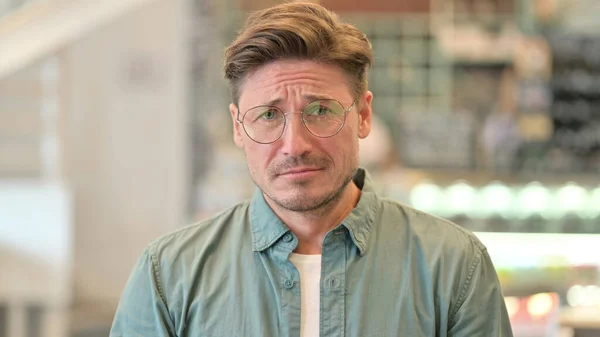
[540,305]
[592,295]
[460,198]
[593,204]
[533,199]
[571,198]
[426,196]
[496,198]
[575,295]
[586,296]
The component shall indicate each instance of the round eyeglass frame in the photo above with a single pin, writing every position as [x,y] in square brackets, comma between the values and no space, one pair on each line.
[301,112]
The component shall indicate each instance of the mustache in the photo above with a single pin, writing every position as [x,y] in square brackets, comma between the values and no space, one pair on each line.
[289,163]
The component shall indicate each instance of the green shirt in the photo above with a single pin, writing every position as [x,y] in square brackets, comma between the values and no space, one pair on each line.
[387,270]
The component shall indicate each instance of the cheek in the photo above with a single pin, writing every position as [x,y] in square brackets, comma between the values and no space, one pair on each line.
[347,148]
[258,156]
[348,138]
[339,148]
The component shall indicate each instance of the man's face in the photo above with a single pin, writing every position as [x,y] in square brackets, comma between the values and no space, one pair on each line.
[299,171]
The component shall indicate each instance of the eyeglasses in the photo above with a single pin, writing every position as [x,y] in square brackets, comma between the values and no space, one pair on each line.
[323,118]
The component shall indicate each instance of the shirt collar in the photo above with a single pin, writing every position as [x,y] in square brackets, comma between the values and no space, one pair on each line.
[267,228]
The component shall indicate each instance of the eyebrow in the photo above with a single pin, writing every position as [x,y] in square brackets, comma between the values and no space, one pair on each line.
[308,98]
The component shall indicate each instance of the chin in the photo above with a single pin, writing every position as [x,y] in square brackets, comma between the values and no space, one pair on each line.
[304,199]
[300,204]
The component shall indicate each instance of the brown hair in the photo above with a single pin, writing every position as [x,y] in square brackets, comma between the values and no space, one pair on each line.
[304,31]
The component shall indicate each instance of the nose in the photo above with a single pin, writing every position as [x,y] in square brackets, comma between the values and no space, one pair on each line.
[296,140]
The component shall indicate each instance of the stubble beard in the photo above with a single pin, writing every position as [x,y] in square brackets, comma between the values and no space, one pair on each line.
[303,202]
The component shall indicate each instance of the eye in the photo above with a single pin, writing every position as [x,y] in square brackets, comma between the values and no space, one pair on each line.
[269,114]
[322,110]
[318,110]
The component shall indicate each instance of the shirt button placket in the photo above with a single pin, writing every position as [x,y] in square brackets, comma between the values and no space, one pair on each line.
[333,293]
[291,308]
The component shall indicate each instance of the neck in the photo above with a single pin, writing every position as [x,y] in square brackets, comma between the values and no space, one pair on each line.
[311,227]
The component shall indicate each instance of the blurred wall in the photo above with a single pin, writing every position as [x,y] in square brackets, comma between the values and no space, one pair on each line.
[126,142]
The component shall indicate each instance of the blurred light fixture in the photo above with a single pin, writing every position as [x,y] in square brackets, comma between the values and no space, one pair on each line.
[540,305]
[593,295]
[496,198]
[593,204]
[575,295]
[533,199]
[585,296]
[426,196]
[460,198]
[571,198]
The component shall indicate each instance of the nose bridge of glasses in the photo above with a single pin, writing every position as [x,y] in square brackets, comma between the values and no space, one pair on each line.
[295,136]
[299,121]
[293,113]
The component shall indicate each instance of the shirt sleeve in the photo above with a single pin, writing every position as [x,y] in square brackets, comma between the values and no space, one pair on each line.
[143,309]
[481,311]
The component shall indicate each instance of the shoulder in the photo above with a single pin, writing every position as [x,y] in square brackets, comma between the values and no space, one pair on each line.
[442,252]
[429,234]
[188,242]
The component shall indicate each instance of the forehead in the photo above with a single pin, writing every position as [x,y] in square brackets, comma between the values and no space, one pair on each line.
[293,82]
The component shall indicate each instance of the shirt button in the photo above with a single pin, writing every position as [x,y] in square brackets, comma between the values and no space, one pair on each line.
[332,283]
[288,237]
[289,284]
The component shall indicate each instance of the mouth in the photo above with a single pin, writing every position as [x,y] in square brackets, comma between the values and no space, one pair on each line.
[299,172]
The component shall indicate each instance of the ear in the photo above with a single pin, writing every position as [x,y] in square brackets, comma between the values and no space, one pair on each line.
[365,115]
[237,132]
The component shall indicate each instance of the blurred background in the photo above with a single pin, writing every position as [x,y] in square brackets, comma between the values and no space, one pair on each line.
[114,130]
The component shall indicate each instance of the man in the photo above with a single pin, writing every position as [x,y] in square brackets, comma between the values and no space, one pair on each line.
[315,252]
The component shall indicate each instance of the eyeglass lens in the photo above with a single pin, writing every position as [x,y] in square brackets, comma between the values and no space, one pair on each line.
[322,118]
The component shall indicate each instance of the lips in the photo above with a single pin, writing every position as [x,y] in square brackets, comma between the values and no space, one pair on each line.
[299,170]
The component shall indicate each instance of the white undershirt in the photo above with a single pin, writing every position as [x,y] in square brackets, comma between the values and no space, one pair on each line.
[309,267]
